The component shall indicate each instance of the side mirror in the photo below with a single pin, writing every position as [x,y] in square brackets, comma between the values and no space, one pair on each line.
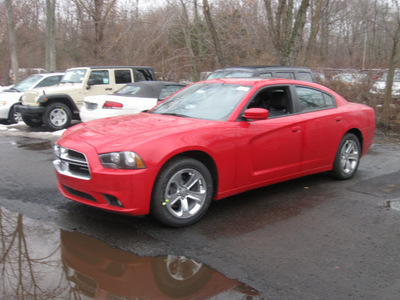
[256,113]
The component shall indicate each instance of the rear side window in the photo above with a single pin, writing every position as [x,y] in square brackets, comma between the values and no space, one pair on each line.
[285,75]
[311,99]
[304,76]
[99,77]
[122,76]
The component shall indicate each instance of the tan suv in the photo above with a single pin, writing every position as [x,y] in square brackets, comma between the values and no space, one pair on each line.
[56,106]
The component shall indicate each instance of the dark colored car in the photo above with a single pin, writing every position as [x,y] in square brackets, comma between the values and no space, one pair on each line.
[298,73]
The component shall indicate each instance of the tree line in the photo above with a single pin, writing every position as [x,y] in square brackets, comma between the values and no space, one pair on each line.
[182,39]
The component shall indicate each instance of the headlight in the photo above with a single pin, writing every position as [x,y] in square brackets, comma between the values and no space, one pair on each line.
[121,160]
[59,151]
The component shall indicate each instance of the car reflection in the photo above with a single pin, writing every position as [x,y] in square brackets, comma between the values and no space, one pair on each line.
[97,271]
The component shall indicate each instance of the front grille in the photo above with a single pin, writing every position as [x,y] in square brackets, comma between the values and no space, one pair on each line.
[90,106]
[71,163]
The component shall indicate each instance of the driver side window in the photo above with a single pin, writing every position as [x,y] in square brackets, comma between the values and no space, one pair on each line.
[276,100]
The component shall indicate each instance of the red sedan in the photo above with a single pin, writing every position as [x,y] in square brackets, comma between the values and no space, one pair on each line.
[209,141]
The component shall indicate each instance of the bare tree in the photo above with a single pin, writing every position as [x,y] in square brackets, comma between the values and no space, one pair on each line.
[286,28]
[213,32]
[12,40]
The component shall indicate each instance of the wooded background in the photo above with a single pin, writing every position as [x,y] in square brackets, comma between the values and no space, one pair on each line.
[181,39]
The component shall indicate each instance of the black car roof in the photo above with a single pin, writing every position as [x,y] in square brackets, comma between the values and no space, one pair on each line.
[150,89]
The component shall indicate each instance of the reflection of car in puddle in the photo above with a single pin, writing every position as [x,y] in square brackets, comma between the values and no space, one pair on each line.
[101,272]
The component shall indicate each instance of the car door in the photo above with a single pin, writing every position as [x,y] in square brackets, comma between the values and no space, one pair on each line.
[321,125]
[269,150]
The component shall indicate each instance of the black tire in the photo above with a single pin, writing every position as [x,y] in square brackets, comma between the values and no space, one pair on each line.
[347,157]
[32,121]
[57,116]
[14,116]
[182,192]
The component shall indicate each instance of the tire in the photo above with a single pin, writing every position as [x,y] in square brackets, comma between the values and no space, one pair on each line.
[32,121]
[57,116]
[347,157]
[182,192]
[14,116]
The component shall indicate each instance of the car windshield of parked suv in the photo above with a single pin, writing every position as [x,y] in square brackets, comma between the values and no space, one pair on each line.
[210,101]
[230,73]
[74,76]
[26,84]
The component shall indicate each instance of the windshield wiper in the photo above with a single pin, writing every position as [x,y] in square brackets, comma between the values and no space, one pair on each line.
[174,114]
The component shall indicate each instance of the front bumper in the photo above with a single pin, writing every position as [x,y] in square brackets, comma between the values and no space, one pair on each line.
[30,110]
[116,190]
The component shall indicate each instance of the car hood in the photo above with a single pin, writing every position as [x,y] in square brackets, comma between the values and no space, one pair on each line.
[115,133]
[56,89]
[10,96]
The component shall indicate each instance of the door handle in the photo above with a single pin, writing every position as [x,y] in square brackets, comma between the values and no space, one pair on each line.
[296,129]
[108,89]
[339,119]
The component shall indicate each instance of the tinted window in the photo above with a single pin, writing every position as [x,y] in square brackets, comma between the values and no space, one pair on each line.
[123,76]
[99,77]
[265,75]
[311,99]
[143,75]
[286,75]
[304,76]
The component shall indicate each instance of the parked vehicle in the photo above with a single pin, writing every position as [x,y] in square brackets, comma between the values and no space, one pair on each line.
[351,79]
[10,98]
[380,85]
[131,99]
[56,107]
[211,140]
[298,73]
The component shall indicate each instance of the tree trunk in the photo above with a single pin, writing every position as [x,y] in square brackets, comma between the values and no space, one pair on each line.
[387,101]
[12,40]
[51,64]
[314,31]
[213,32]
[286,35]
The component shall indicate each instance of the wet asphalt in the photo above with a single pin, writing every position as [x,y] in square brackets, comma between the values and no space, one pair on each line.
[309,238]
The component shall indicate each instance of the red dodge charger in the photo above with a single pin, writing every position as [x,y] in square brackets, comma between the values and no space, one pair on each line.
[211,140]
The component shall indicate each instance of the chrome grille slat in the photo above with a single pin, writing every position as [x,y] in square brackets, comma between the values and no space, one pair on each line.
[72,163]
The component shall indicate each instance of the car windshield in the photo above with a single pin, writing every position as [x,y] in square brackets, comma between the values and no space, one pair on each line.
[128,90]
[230,74]
[210,101]
[74,76]
[27,83]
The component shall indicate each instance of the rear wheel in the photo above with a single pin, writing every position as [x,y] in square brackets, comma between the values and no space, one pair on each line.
[347,157]
[57,116]
[32,121]
[182,192]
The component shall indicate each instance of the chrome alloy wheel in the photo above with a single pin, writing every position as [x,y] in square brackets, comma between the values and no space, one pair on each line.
[58,117]
[185,193]
[349,156]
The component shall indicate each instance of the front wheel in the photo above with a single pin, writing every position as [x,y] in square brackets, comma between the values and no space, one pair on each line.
[182,192]
[32,121]
[347,157]
[14,116]
[57,116]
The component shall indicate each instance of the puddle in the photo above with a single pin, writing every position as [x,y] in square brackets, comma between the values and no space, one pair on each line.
[34,144]
[38,261]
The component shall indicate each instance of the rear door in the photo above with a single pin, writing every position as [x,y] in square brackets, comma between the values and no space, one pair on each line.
[322,127]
